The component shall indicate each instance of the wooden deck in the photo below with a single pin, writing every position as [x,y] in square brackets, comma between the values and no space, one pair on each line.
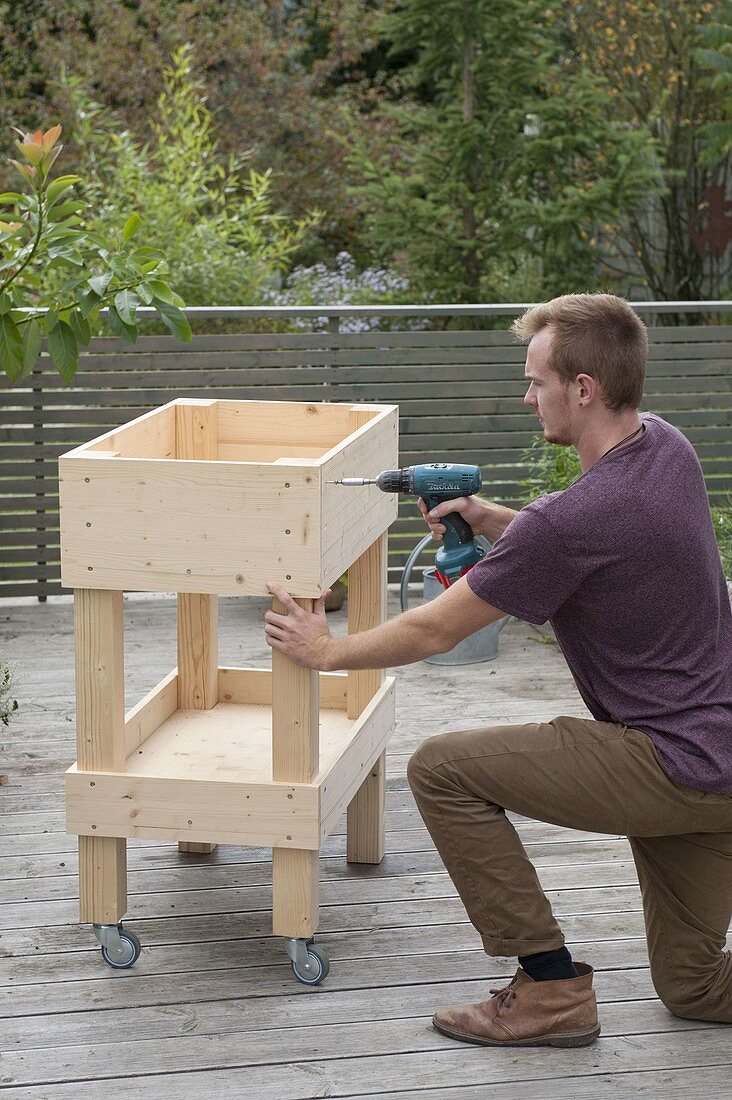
[211,1007]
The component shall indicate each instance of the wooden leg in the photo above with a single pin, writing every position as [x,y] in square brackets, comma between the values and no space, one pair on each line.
[198,673]
[196,437]
[295,759]
[365,841]
[295,892]
[100,728]
[365,834]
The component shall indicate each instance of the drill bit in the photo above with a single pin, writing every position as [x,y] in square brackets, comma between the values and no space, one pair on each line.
[354,481]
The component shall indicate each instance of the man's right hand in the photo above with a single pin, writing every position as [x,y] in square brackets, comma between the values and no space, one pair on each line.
[485,517]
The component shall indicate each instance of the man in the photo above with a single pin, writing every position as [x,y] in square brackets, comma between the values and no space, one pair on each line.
[624,564]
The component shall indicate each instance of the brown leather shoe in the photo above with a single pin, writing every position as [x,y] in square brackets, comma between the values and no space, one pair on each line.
[528,1013]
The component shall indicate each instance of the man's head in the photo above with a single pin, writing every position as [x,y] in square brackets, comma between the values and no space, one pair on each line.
[586,358]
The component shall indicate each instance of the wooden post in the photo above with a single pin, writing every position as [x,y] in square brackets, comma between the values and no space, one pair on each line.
[196,437]
[295,759]
[365,840]
[100,743]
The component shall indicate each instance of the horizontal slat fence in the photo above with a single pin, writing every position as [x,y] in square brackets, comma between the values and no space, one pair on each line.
[459,392]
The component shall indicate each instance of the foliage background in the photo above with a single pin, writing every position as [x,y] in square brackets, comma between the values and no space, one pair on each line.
[466,151]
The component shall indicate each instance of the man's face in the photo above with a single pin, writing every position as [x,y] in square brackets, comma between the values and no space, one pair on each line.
[546,394]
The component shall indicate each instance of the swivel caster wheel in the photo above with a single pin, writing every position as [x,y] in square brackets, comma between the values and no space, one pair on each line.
[120,948]
[309,963]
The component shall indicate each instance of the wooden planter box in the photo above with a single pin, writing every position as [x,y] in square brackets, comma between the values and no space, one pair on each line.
[207,497]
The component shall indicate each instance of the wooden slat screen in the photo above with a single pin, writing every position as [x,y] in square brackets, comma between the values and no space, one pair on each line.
[460,397]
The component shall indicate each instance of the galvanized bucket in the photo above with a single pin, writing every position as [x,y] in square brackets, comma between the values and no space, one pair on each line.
[478,647]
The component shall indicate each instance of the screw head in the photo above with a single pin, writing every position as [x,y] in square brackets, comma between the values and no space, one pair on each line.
[288,576]
[87,479]
[88,524]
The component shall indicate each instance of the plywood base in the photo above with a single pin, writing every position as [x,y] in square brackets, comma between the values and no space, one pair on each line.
[205,776]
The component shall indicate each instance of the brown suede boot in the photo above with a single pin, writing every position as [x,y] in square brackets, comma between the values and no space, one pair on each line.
[528,1013]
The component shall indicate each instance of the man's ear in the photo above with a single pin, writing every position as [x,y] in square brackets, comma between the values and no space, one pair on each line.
[587,388]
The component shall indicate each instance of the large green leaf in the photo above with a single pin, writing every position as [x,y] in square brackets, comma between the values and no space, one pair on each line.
[120,328]
[59,186]
[131,226]
[64,351]
[80,327]
[31,345]
[64,209]
[99,283]
[126,303]
[173,319]
[162,291]
[11,347]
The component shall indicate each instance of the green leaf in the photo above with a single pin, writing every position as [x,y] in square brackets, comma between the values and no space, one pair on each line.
[130,226]
[89,302]
[173,319]
[80,327]
[31,345]
[162,291]
[10,196]
[64,351]
[57,188]
[58,212]
[145,292]
[99,283]
[6,303]
[11,347]
[120,328]
[126,303]
[49,320]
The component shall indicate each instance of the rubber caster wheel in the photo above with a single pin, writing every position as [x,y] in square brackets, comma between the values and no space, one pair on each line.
[319,967]
[129,955]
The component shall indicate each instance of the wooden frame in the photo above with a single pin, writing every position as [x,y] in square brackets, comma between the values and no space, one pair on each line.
[227,755]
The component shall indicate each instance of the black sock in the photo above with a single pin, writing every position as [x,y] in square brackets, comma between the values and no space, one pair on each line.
[548,966]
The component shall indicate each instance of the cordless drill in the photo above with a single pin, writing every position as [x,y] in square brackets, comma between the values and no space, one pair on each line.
[435,482]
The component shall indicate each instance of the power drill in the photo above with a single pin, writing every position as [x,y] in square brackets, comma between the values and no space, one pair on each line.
[435,482]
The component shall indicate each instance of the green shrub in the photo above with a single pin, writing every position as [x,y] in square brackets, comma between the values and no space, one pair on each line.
[7,703]
[551,468]
[722,520]
[214,217]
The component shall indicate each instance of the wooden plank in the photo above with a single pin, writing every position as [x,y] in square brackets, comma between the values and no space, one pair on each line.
[295,756]
[208,538]
[353,518]
[100,743]
[207,811]
[254,685]
[196,431]
[367,579]
[340,784]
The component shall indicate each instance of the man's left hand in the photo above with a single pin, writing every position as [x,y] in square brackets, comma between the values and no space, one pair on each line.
[301,635]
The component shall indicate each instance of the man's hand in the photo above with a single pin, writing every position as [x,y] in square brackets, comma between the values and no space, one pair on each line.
[301,635]
[484,516]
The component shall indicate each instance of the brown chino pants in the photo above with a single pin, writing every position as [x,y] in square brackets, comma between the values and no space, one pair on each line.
[597,776]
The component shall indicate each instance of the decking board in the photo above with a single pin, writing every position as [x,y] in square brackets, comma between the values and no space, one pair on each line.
[211,1008]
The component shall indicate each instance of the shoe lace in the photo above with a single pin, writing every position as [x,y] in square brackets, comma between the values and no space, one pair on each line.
[504,996]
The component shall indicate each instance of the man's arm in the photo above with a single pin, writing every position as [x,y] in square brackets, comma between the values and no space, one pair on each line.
[435,627]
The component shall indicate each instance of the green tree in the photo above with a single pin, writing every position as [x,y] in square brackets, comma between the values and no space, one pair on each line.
[671,238]
[213,216]
[56,275]
[497,170]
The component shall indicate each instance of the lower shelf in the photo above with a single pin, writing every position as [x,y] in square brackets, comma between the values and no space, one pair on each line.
[206,775]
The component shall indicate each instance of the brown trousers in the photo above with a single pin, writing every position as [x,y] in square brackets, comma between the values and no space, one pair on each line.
[598,776]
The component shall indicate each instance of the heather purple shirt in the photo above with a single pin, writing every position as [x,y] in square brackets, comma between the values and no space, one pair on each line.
[625,565]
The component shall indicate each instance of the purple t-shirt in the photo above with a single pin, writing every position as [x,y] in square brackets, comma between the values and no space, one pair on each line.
[625,565]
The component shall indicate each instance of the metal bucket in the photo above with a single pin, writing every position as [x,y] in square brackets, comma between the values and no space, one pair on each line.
[481,646]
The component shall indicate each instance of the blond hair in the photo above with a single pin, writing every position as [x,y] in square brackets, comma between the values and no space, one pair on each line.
[596,334]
